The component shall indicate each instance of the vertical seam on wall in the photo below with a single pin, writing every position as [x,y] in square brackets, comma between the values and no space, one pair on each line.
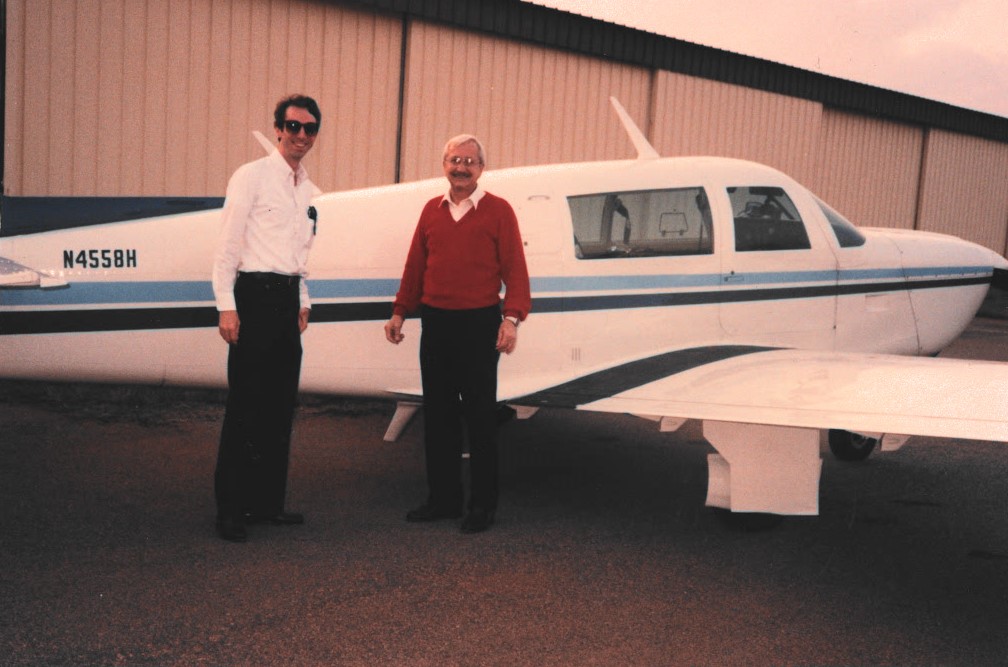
[922,167]
[3,98]
[402,97]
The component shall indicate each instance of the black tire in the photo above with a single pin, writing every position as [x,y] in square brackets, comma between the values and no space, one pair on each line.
[847,446]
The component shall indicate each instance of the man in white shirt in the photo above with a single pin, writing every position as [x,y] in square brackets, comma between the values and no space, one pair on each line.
[258,281]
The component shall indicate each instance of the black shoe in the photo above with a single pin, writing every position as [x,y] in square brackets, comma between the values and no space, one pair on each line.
[280,519]
[477,521]
[428,512]
[232,530]
[286,519]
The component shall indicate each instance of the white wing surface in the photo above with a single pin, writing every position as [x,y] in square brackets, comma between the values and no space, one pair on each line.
[864,393]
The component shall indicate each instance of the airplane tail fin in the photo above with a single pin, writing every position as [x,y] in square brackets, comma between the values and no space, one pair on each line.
[645,151]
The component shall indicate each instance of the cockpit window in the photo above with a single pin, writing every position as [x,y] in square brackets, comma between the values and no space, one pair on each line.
[847,235]
[644,223]
[766,219]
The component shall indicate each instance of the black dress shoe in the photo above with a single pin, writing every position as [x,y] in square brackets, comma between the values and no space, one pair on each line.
[281,519]
[286,519]
[477,521]
[231,530]
[428,512]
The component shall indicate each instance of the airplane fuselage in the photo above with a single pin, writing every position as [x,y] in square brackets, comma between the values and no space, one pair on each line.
[626,258]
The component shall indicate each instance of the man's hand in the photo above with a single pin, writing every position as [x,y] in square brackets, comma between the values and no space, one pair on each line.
[228,325]
[507,337]
[303,319]
[393,330]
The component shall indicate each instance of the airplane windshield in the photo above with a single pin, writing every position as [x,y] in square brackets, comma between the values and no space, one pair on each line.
[644,223]
[847,235]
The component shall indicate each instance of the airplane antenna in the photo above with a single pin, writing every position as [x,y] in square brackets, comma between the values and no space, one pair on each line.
[645,151]
[266,144]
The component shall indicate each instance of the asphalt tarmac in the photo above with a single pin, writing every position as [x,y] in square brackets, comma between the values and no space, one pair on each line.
[603,553]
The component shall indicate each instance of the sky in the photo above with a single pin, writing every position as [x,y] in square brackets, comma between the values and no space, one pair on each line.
[953,51]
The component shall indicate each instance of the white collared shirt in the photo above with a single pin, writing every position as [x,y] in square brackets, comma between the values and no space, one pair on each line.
[459,210]
[264,226]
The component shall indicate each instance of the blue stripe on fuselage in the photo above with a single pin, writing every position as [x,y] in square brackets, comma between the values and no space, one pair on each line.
[123,292]
[184,302]
[117,292]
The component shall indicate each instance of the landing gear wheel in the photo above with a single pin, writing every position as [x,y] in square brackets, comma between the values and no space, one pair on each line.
[847,446]
[749,522]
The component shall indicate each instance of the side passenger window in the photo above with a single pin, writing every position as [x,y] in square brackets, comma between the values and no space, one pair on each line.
[766,219]
[646,223]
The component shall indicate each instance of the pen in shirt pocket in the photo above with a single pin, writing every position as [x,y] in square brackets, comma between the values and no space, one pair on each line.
[313,214]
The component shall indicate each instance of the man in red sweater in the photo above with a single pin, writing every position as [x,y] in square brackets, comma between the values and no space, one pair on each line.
[466,244]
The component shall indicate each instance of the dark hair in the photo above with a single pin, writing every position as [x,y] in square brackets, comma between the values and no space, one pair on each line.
[300,101]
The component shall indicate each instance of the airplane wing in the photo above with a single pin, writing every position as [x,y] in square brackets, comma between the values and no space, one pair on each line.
[863,393]
[763,409]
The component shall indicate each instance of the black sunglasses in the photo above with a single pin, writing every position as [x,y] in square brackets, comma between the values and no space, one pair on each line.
[294,126]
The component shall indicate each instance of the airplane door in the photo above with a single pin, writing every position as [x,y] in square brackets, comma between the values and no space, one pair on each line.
[779,274]
[640,274]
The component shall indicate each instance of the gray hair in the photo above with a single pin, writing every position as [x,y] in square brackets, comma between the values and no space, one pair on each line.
[464,139]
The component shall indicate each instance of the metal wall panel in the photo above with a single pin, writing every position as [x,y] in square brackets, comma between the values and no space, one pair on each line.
[116,97]
[529,105]
[868,169]
[570,32]
[157,98]
[965,189]
[704,117]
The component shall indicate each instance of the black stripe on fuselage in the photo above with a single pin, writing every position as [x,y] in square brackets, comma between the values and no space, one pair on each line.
[612,381]
[126,319]
[734,295]
[111,319]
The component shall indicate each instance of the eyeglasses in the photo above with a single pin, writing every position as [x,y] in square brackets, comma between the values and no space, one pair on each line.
[294,126]
[458,160]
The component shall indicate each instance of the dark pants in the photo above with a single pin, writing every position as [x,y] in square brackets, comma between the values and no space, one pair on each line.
[458,364]
[263,372]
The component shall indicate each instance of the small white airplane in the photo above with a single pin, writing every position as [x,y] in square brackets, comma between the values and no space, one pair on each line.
[669,288]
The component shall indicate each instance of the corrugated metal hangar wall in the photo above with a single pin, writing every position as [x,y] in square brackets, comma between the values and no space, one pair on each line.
[157,99]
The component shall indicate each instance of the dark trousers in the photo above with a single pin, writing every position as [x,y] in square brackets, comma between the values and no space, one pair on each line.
[264,368]
[458,365]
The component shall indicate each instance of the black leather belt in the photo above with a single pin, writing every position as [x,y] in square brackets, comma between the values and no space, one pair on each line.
[270,280]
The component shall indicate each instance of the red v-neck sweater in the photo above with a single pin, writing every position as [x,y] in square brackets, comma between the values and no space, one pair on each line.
[461,265]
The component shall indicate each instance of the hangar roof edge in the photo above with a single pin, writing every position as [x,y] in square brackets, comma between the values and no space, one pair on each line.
[580,34]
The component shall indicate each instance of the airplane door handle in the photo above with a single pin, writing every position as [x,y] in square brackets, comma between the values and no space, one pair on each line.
[733,278]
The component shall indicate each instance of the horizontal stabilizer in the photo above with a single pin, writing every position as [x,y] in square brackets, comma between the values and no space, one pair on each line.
[13,274]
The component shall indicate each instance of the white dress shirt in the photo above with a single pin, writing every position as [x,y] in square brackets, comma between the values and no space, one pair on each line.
[458,210]
[264,226]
